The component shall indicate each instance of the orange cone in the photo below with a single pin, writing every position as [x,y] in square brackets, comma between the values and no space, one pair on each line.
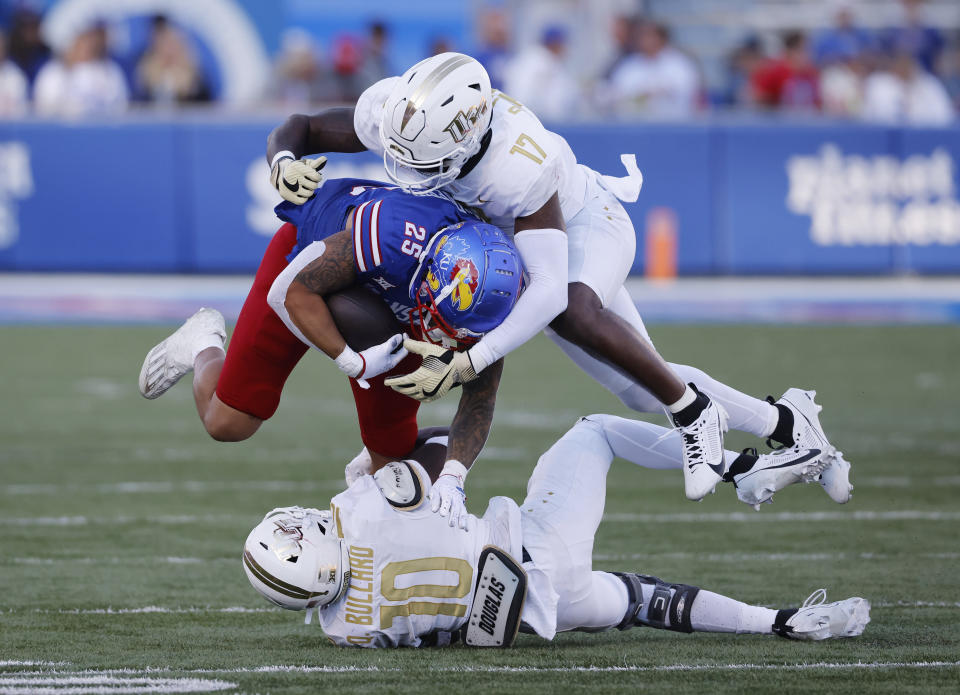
[661,244]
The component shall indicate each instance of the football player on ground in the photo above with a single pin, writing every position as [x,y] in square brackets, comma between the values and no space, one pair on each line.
[449,276]
[382,571]
[440,126]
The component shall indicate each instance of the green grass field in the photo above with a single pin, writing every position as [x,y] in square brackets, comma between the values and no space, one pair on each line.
[122,524]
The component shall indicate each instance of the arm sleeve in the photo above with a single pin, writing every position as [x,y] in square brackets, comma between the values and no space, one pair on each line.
[544,254]
[368,111]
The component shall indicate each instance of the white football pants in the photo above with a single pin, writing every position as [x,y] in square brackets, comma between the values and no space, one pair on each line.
[602,246]
[563,509]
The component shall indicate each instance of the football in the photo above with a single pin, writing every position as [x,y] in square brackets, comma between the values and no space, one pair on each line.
[363,318]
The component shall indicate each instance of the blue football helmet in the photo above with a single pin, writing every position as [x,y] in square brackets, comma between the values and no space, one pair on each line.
[468,280]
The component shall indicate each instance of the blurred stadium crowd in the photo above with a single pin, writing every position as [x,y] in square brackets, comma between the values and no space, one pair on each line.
[905,72]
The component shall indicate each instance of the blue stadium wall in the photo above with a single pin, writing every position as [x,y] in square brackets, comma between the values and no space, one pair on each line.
[748,198]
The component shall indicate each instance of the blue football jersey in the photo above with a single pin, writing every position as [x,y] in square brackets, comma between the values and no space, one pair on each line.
[390,230]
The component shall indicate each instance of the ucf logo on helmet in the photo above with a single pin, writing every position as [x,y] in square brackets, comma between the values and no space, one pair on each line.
[463,123]
[288,539]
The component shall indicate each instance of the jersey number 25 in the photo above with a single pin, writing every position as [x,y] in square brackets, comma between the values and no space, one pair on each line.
[411,247]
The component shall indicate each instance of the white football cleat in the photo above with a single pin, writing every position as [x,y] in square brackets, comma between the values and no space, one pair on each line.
[703,458]
[170,359]
[835,479]
[816,620]
[808,434]
[773,472]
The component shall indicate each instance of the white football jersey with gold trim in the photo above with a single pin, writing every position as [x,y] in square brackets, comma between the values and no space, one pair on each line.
[524,165]
[411,574]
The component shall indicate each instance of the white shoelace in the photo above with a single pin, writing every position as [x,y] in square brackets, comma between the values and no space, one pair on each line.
[817,598]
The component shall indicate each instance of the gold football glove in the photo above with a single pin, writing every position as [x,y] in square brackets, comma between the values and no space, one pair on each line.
[442,369]
[297,179]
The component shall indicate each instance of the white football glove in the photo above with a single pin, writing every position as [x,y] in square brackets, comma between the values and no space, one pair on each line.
[442,369]
[297,179]
[360,466]
[447,496]
[372,361]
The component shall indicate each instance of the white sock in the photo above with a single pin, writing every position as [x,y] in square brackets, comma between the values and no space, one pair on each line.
[745,413]
[211,340]
[715,613]
[688,397]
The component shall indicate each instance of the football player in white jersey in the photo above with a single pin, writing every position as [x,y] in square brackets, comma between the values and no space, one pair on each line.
[440,126]
[381,570]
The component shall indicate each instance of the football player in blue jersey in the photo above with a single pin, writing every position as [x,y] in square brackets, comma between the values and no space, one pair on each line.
[446,276]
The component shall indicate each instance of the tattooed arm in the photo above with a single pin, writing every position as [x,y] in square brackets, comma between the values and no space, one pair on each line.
[331,130]
[332,271]
[471,425]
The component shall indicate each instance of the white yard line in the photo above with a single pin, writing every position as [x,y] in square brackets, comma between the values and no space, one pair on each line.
[122,520]
[616,517]
[99,684]
[629,668]
[209,486]
[206,610]
[155,609]
[770,557]
[127,561]
[607,669]
[599,557]
[859,515]
[166,486]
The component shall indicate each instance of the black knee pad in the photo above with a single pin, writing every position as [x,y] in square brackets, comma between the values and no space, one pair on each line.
[634,599]
[669,607]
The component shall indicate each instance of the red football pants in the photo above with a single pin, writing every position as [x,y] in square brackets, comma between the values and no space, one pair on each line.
[263,352]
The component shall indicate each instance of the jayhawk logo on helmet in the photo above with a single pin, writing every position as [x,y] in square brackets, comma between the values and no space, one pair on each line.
[433,281]
[469,278]
[466,279]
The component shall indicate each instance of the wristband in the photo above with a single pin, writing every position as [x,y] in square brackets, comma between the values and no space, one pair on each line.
[351,363]
[282,154]
[456,469]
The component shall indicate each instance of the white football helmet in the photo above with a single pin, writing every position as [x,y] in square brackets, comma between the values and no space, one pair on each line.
[294,559]
[433,121]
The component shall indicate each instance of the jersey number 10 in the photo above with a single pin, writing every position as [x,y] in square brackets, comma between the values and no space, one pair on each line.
[390,591]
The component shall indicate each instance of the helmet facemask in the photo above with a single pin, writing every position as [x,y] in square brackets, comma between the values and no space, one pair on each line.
[419,178]
[422,177]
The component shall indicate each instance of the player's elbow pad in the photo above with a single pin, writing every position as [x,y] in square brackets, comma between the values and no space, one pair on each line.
[544,254]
